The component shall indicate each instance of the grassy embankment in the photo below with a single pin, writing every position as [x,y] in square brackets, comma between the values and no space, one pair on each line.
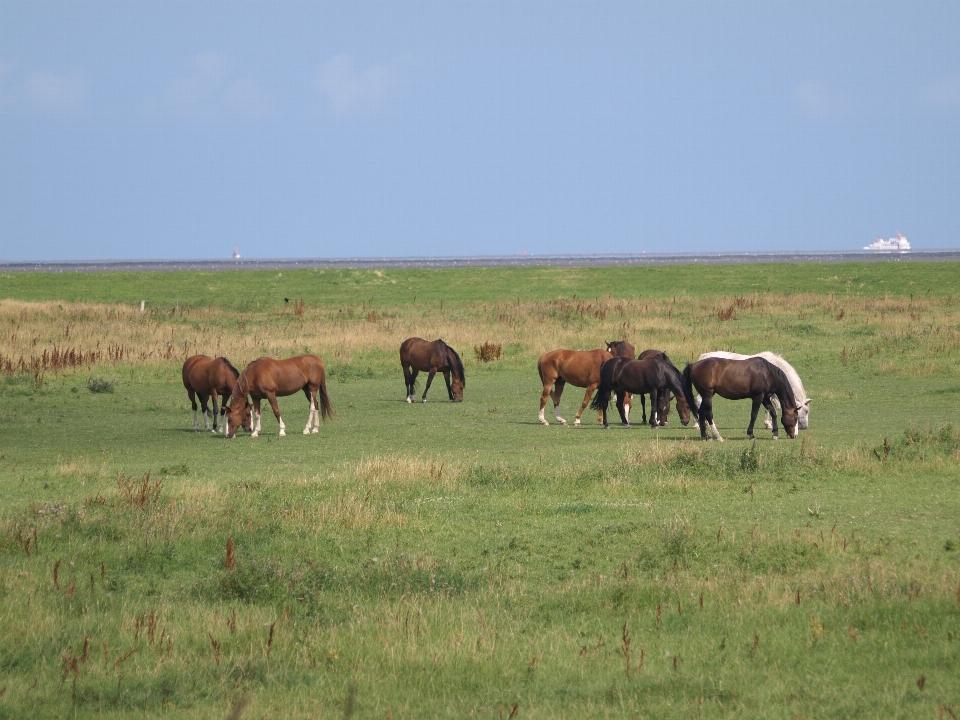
[461,560]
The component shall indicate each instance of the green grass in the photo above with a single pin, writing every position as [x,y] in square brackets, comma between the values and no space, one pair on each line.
[445,560]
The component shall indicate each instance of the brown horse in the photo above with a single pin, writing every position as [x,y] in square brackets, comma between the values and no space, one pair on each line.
[269,378]
[417,354]
[205,377]
[580,368]
[663,406]
[653,375]
[754,378]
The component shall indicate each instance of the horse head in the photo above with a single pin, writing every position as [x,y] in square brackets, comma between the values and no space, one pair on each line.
[239,414]
[683,409]
[621,348]
[790,419]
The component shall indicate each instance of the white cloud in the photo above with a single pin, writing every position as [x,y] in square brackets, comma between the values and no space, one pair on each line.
[59,93]
[209,89]
[942,93]
[350,89]
[813,101]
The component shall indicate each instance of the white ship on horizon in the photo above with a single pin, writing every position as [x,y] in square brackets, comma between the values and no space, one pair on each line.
[897,244]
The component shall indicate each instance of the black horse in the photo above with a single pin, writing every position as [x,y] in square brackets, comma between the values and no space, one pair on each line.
[417,354]
[754,378]
[652,375]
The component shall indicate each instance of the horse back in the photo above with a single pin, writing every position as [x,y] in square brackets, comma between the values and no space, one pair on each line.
[195,373]
[580,368]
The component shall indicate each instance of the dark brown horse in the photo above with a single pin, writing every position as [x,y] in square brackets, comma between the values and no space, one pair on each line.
[652,375]
[580,368]
[269,378]
[417,354]
[754,378]
[663,407]
[208,377]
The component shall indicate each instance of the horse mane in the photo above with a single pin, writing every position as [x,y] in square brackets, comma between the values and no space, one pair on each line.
[239,391]
[457,365]
[229,365]
[787,396]
[795,384]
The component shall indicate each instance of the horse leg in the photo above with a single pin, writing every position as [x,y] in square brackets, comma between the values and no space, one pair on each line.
[583,406]
[446,379]
[643,408]
[408,380]
[429,380]
[654,408]
[753,415]
[623,414]
[627,404]
[706,418]
[213,398]
[767,422]
[547,387]
[255,419]
[203,407]
[769,407]
[664,407]
[311,401]
[193,404]
[272,399]
[556,395]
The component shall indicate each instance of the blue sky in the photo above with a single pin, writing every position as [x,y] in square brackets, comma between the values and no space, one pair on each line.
[140,130]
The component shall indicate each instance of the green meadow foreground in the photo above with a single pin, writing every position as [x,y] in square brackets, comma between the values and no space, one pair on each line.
[441,560]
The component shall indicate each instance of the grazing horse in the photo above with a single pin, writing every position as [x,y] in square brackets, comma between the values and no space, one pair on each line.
[580,368]
[652,375]
[803,402]
[417,354]
[754,378]
[205,377]
[663,408]
[269,378]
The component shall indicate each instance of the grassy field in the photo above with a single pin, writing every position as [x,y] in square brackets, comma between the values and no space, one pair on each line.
[446,560]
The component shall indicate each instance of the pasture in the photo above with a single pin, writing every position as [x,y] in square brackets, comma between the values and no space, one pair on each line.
[461,560]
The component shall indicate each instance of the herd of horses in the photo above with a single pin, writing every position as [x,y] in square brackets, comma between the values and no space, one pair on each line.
[765,378]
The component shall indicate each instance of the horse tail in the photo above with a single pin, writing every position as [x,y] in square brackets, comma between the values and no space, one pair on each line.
[688,390]
[680,385]
[323,400]
[602,399]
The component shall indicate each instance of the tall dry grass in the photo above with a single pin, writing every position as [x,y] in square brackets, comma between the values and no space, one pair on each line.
[44,337]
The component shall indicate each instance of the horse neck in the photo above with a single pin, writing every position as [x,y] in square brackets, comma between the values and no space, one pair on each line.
[799,393]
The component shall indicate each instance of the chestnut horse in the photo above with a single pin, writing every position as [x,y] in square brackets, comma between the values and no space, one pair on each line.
[653,375]
[580,368]
[417,354]
[205,377]
[269,378]
[753,378]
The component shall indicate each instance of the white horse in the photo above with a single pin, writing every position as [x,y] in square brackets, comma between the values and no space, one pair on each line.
[803,402]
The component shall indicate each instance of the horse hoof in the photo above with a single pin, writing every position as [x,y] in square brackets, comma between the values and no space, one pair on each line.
[306,431]
[424,400]
[315,430]
[253,435]
[564,422]
[776,437]
[544,422]
[409,400]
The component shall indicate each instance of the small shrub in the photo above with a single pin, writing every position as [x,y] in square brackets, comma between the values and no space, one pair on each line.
[100,385]
[488,352]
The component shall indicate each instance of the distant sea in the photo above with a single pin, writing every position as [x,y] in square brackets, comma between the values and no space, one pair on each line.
[947,255]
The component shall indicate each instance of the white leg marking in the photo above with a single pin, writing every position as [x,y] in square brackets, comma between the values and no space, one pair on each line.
[543,420]
[556,411]
[713,427]
[283,428]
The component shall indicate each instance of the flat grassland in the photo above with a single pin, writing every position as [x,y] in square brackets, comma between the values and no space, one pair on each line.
[441,560]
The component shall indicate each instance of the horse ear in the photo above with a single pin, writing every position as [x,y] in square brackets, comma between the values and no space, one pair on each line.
[808,401]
